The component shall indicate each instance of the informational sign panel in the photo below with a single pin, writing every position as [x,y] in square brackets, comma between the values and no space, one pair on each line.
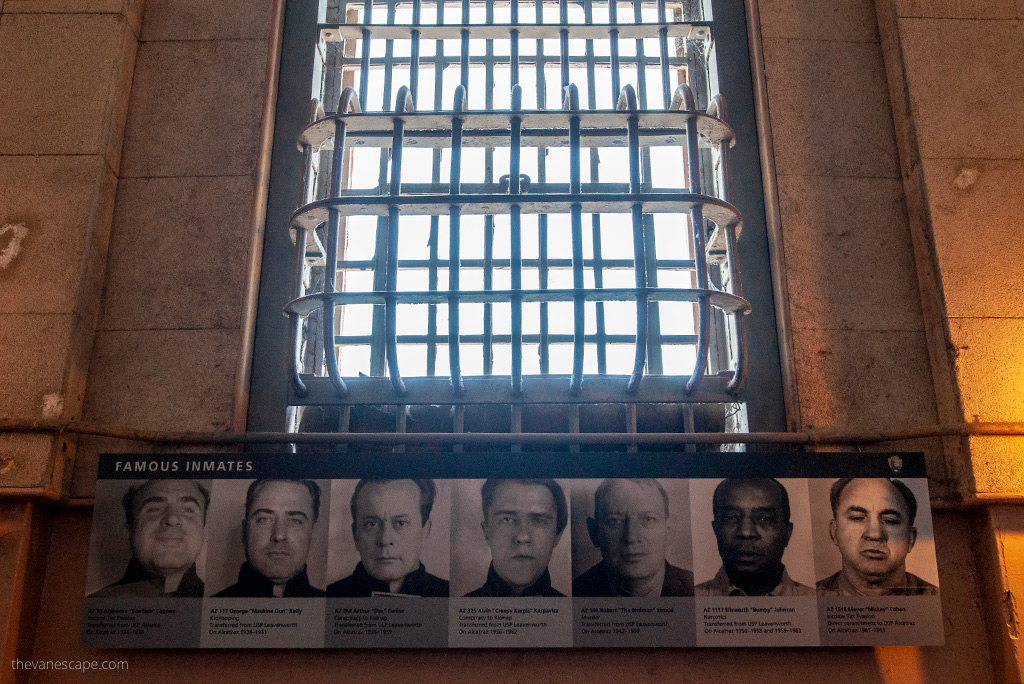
[513,550]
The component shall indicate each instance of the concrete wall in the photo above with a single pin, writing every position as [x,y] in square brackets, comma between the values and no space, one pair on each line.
[898,171]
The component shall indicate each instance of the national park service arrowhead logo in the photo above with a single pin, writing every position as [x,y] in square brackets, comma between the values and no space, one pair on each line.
[895,464]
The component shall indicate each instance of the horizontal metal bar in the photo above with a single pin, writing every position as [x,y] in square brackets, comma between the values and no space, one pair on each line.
[21,426]
[496,389]
[598,128]
[719,212]
[612,264]
[501,60]
[723,300]
[506,339]
[333,33]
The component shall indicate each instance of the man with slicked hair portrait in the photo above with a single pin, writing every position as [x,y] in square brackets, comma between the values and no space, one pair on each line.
[165,521]
[276,533]
[873,527]
[523,523]
[390,522]
[631,527]
[752,527]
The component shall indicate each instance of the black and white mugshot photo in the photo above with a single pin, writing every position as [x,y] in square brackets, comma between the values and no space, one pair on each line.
[148,538]
[509,538]
[268,538]
[873,537]
[389,538]
[631,537]
[752,537]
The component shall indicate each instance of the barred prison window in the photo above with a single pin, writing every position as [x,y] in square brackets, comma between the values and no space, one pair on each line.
[516,217]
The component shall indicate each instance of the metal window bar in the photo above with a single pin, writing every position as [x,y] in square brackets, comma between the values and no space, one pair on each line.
[513,131]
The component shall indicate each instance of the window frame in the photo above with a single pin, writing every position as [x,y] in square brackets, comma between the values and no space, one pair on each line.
[730,75]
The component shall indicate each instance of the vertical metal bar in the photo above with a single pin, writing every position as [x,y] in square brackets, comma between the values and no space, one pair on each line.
[516,238]
[435,221]
[718,109]
[653,318]
[572,104]
[454,239]
[683,99]
[347,103]
[458,424]
[666,81]
[401,421]
[316,112]
[403,104]
[514,44]
[595,219]
[563,41]
[631,425]
[574,427]
[488,346]
[464,64]
[613,36]
[414,51]
[516,420]
[688,427]
[627,102]
[378,353]
[364,62]
[542,219]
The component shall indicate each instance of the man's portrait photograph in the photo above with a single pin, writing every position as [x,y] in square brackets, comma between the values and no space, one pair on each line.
[268,538]
[631,537]
[148,538]
[752,537]
[389,538]
[508,538]
[873,537]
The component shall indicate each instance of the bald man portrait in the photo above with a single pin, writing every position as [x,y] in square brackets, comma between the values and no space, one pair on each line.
[630,526]
[873,527]
[752,527]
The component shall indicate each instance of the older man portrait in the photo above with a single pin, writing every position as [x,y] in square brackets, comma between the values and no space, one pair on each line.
[631,528]
[276,534]
[752,527]
[873,527]
[523,523]
[390,523]
[165,521]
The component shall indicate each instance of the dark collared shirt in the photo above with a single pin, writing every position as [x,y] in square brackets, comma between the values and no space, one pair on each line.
[137,581]
[836,585]
[496,587]
[253,584]
[721,585]
[597,582]
[360,583]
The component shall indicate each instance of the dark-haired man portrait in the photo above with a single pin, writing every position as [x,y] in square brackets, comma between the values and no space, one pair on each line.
[390,522]
[165,521]
[523,523]
[276,534]
[752,527]
[631,528]
[873,527]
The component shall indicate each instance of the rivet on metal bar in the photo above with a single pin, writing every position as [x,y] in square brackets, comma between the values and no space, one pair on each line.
[299,260]
[348,102]
[718,109]
[403,104]
[627,102]
[516,239]
[571,103]
[682,99]
[454,239]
